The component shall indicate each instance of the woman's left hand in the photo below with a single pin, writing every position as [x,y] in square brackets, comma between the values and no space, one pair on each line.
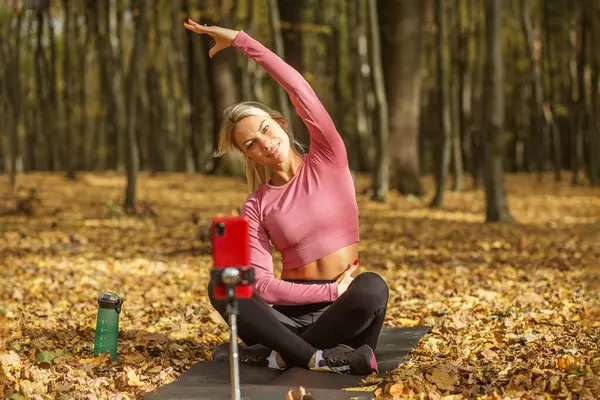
[223,36]
[344,280]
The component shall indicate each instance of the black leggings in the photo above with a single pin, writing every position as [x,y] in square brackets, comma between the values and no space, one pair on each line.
[297,332]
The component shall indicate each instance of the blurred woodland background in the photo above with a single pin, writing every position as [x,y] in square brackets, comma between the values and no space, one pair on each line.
[109,111]
[463,89]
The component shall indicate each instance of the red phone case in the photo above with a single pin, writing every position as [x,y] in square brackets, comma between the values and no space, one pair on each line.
[231,248]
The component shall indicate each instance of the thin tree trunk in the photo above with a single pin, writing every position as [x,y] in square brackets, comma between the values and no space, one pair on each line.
[382,168]
[282,96]
[70,161]
[15,101]
[477,133]
[290,12]
[136,64]
[56,133]
[468,84]
[343,79]
[457,96]
[30,115]
[193,96]
[156,105]
[579,104]
[245,63]
[401,27]
[550,110]
[86,149]
[177,102]
[496,203]
[4,113]
[443,103]
[254,72]
[42,92]
[360,79]
[540,133]
[594,126]
[118,57]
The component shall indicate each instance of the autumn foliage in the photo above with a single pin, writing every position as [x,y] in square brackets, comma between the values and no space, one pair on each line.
[514,308]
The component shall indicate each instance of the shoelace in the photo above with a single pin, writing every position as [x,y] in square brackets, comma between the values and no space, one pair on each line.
[336,364]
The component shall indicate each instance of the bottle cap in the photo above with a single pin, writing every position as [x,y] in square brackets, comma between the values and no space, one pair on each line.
[110,301]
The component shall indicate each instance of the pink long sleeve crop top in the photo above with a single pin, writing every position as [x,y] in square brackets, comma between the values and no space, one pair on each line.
[315,213]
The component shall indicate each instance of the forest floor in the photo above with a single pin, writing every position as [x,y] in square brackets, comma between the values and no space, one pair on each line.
[514,308]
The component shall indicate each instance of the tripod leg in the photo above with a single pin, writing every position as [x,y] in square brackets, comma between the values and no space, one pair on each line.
[233,350]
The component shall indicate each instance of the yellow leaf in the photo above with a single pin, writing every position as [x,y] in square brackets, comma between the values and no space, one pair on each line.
[132,378]
[566,362]
[134,358]
[371,380]
[443,378]
[489,354]
[361,388]
[397,389]
[296,394]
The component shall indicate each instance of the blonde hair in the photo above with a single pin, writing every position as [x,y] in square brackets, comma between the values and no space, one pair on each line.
[256,175]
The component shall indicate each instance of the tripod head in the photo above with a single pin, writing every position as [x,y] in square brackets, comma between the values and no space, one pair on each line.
[232,282]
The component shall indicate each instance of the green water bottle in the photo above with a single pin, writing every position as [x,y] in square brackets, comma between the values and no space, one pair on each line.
[107,324]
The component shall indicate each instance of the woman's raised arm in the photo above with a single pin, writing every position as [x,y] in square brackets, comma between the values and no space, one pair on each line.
[326,143]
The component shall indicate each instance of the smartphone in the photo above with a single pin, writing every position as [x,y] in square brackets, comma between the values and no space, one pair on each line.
[231,248]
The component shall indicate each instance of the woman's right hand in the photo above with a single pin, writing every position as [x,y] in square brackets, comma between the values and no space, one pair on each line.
[223,36]
[346,278]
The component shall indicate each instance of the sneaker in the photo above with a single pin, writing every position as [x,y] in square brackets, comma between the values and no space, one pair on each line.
[254,355]
[346,360]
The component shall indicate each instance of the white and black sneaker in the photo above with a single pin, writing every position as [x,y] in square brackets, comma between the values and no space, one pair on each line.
[346,360]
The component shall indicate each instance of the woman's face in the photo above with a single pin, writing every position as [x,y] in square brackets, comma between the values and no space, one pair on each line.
[263,140]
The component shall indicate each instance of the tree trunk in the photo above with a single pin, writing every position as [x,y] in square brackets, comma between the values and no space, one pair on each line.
[84,149]
[579,106]
[224,92]
[550,110]
[381,179]
[193,92]
[343,80]
[540,128]
[70,161]
[457,56]
[30,114]
[43,102]
[54,124]
[443,142]
[15,101]
[291,20]
[244,64]
[496,203]
[361,77]
[136,64]
[478,123]
[467,83]
[401,32]
[4,113]
[594,126]
[106,147]
[282,96]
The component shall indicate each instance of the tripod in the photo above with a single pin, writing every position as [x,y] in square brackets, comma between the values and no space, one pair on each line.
[232,284]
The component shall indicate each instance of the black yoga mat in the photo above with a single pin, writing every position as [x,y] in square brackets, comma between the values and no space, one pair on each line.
[210,380]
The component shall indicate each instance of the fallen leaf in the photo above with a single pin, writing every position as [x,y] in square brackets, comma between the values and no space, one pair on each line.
[361,388]
[443,378]
[45,360]
[132,378]
[396,389]
[371,380]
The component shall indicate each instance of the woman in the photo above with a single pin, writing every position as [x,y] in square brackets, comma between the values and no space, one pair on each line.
[323,314]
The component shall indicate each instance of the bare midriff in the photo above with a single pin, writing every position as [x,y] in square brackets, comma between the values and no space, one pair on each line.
[327,268]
